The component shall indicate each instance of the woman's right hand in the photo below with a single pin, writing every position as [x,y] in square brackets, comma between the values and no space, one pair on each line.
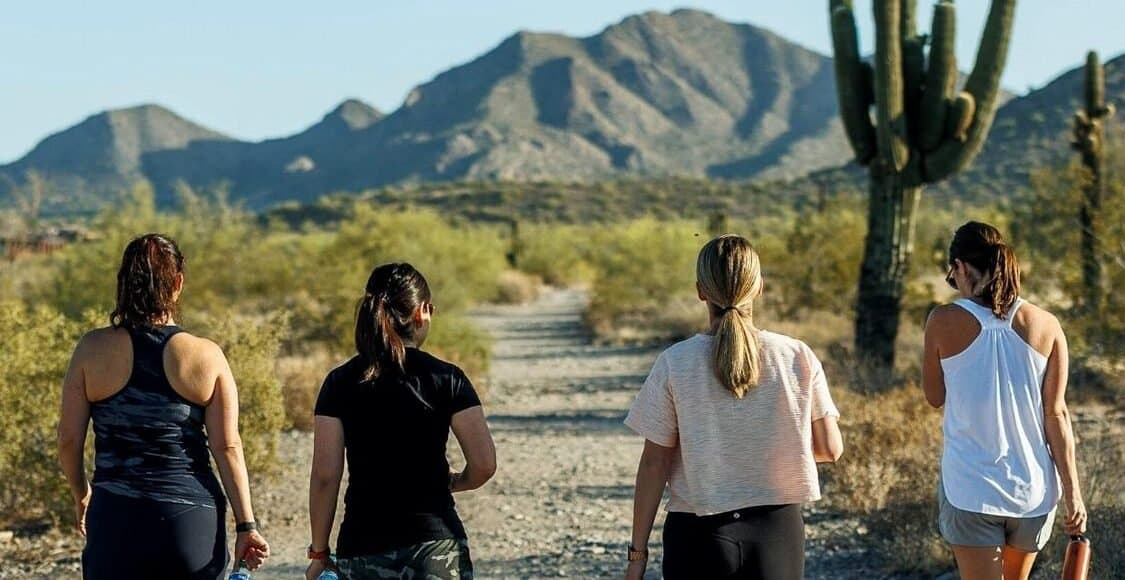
[1075,516]
[252,548]
[315,568]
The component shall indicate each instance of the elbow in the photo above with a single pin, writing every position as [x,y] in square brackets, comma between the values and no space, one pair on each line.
[831,454]
[68,445]
[935,401]
[485,470]
[835,451]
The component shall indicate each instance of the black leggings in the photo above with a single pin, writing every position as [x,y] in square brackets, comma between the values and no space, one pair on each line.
[763,542]
[142,538]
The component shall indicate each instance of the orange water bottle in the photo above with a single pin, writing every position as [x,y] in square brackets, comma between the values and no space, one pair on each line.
[1076,565]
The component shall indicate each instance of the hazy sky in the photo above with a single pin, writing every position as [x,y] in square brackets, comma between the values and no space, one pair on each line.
[256,68]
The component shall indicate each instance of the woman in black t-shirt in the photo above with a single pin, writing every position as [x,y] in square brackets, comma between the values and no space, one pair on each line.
[390,408]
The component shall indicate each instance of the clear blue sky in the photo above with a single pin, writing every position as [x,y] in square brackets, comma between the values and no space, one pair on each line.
[256,68]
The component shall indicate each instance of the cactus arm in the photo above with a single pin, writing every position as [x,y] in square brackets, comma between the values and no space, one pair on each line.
[853,88]
[1095,85]
[908,20]
[941,76]
[890,126]
[984,86]
[913,75]
[961,113]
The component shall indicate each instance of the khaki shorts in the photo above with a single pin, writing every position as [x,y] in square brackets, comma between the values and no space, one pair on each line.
[962,528]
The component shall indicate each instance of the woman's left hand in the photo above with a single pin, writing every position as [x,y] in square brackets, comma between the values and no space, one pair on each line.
[81,504]
[251,548]
[636,570]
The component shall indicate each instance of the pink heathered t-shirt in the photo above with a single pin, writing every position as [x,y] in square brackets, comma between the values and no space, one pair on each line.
[735,453]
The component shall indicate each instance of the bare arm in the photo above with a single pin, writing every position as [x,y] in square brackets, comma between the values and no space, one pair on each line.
[471,431]
[1060,435]
[226,444]
[324,484]
[74,417]
[653,472]
[828,444]
[933,379]
[226,447]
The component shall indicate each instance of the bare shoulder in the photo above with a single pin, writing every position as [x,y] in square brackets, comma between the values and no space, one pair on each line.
[197,349]
[1032,315]
[947,315]
[102,341]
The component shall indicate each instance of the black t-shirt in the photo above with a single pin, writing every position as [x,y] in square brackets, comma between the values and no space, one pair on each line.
[395,432]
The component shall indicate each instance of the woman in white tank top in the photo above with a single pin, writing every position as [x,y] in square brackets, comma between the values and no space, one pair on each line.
[998,365]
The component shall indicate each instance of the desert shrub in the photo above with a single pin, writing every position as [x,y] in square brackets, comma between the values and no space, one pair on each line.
[559,254]
[817,265]
[251,344]
[645,279]
[301,376]
[36,348]
[888,475]
[515,287]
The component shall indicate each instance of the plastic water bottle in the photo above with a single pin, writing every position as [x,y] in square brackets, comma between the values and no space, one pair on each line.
[241,572]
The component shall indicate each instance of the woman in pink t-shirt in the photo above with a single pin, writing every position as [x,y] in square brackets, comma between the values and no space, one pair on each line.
[734,422]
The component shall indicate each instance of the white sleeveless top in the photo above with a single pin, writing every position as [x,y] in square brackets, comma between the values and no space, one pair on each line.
[995,459]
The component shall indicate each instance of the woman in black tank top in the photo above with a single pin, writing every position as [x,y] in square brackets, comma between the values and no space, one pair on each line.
[155,394]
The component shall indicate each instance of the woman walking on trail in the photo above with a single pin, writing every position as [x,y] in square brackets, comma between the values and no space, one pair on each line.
[734,422]
[999,366]
[390,409]
[158,398]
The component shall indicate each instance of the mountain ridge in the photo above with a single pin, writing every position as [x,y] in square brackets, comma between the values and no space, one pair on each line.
[653,95]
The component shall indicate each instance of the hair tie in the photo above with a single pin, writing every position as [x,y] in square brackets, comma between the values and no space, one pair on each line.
[726,309]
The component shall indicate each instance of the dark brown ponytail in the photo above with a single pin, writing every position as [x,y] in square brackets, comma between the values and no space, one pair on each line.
[983,247]
[384,319]
[146,282]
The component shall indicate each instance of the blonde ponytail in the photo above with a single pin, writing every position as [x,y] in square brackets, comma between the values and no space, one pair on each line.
[730,278]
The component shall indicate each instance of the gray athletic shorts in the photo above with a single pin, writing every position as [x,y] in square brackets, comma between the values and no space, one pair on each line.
[962,528]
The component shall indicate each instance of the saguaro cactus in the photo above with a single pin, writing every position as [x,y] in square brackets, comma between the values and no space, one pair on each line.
[924,131]
[1089,140]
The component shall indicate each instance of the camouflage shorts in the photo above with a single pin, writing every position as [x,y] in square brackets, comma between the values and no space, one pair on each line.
[436,560]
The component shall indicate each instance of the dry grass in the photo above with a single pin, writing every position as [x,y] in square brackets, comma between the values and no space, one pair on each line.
[515,287]
[301,377]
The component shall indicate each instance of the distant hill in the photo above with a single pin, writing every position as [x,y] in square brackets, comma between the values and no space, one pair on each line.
[683,94]
[102,155]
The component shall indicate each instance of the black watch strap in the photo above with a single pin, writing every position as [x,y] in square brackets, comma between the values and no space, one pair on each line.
[246,526]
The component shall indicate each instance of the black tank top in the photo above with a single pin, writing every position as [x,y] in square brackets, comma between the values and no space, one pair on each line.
[149,441]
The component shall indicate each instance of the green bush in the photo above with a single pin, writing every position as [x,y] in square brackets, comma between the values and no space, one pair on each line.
[557,253]
[645,282]
[36,348]
[252,345]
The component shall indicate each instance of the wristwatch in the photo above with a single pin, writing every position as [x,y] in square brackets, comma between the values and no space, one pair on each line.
[314,555]
[637,555]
